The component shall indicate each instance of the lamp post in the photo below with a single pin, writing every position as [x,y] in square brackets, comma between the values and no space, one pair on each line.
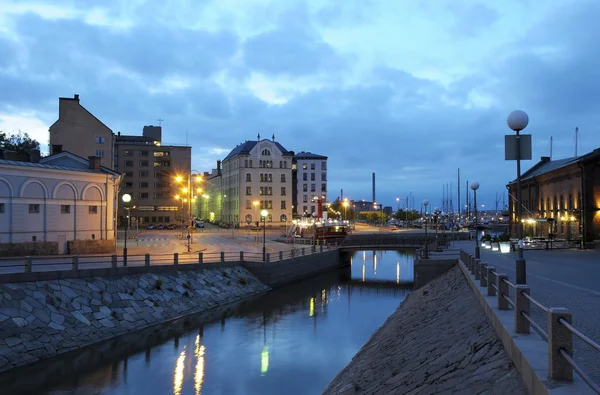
[436,214]
[188,197]
[475,186]
[426,203]
[517,121]
[126,199]
[264,214]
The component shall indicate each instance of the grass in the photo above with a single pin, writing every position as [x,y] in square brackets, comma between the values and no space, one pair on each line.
[242,280]
[158,284]
[156,303]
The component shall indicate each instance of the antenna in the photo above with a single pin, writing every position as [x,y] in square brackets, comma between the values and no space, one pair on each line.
[551,148]
[160,121]
[576,139]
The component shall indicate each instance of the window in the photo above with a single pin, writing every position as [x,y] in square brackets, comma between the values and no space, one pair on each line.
[562,203]
[1,208]
[128,153]
[65,209]
[128,184]
[305,177]
[250,163]
[283,178]
[304,209]
[248,218]
[570,207]
[100,153]
[280,164]
[312,209]
[305,198]
[93,209]
[34,208]
[245,162]
[312,166]
[260,191]
[128,174]
[144,163]
[266,152]
[143,174]
[323,165]
[323,187]
[248,177]
[144,195]
[144,184]
[323,176]
[304,166]
[128,163]
[312,176]
[248,191]
[283,204]
[285,164]
[99,140]
[313,187]
[248,204]
[304,187]
[282,191]
[162,153]
[144,153]
[283,218]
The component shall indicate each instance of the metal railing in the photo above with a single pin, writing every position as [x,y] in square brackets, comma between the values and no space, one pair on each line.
[560,331]
[30,264]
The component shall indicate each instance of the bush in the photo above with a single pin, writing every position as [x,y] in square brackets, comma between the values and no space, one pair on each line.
[242,280]
[158,284]
[504,237]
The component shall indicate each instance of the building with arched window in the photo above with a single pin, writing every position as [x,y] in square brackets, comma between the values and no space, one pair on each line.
[58,204]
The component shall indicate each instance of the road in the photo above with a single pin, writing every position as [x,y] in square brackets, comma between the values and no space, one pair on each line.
[560,278]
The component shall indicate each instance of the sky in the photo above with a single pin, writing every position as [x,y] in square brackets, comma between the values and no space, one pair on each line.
[412,90]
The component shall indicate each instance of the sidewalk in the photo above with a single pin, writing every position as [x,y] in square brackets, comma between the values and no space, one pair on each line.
[559,278]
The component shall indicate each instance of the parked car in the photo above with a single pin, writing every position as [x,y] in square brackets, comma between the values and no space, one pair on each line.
[151,227]
[199,224]
[172,227]
[161,227]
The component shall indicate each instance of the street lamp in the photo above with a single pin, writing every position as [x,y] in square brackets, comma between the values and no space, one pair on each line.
[426,203]
[189,192]
[126,199]
[517,121]
[475,186]
[264,214]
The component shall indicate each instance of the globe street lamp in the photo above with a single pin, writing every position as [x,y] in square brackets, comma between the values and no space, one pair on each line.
[475,186]
[264,214]
[426,203]
[126,199]
[517,121]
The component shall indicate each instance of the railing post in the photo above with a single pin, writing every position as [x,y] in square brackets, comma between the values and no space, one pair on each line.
[302,250]
[471,264]
[175,259]
[200,257]
[483,275]
[222,256]
[321,247]
[147,260]
[113,260]
[502,289]
[477,269]
[241,256]
[491,281]
[268,257]
[522,305]
[281,255]
[27,264]
[559,337]
[75,263]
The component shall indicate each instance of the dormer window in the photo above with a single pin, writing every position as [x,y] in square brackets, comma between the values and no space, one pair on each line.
[266,152]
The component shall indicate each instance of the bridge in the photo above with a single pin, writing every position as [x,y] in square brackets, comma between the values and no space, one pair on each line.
[388,241]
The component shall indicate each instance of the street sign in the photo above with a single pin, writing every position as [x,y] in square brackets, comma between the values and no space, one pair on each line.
[511,149]
[188,236]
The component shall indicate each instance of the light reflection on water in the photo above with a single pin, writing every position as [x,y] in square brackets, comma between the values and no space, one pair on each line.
[293,340]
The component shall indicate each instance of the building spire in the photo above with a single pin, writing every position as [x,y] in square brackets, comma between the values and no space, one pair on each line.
[273,137]
[258,137]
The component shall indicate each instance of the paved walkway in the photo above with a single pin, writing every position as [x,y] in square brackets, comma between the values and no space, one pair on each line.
[439,341]
[560,278]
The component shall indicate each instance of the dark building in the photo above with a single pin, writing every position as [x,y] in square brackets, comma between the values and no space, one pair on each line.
[560,198]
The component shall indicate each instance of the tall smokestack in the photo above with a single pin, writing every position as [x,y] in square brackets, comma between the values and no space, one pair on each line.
[374,188]
[342,194]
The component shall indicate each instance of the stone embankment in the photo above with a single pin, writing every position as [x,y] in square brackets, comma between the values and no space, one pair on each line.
[439,341]
[39,320]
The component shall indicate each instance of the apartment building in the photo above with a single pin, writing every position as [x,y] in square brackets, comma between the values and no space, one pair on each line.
[150,172]
[79,132]
[209,203]
[560,197]
[309,182]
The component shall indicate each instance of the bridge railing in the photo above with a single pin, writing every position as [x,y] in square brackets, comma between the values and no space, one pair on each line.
[559,332]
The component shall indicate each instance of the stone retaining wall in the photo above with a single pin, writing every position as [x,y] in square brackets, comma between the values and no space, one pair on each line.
[439,341]
[43,319]
[77,247]
[29,248]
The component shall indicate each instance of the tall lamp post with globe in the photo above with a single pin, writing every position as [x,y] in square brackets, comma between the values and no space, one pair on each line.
[517,148]
[264,215]
[475,186]
[426,254]
[126,199]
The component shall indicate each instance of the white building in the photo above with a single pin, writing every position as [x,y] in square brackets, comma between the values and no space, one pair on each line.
[310,182]
[62,198]
[257,175]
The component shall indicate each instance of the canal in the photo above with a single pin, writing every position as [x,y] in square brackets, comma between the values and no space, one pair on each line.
[292,340]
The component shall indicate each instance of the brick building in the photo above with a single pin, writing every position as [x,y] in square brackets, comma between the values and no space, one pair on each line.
[560,197]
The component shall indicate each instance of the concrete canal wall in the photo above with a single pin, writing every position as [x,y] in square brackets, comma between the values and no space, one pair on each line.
[438,341]
[43,319]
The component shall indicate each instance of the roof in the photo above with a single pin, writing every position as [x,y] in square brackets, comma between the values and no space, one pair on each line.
[83,161]
[53,167]
[246,147]
[308,155]
[85,109]
[546,166]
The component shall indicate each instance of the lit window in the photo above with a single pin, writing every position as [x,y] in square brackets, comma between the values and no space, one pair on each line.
[65,209]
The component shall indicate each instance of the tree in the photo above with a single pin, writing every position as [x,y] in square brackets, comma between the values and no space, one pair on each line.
[19,142]
[337,210]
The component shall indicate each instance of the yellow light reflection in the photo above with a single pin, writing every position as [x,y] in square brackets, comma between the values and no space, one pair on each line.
[199,374]
[374,264]
[312,307]
[264,360]
[363,272]
[398,273]
[364,256]
[178,377]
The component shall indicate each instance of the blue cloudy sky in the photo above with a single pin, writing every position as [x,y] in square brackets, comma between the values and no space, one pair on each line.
[410,89]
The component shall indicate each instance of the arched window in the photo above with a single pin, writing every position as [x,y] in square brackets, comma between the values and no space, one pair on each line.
[283,218]
[248,177]
[270,218]
[283,178]
[248,218]
[266,152]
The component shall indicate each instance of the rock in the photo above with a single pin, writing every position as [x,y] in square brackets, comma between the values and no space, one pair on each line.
[56,326]
[25,306]
[80,317]
[21,322]
[57,318]
[106,323]
[13,341]
[38,295]
[3,317]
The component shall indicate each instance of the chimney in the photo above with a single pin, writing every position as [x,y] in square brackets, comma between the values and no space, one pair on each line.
[9,155]
[34,155]
[94,162]
[374,187]
[545,159]
[219,167]
[76,97]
